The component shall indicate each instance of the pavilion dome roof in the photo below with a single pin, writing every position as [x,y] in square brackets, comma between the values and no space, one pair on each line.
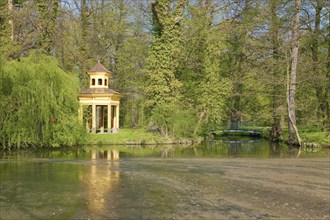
[99,68]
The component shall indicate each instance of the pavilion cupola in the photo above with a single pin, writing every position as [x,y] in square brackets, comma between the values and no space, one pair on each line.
[98,76]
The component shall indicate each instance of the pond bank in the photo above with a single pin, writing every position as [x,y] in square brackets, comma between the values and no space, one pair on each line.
[139,136]
[135,136]
[313,139]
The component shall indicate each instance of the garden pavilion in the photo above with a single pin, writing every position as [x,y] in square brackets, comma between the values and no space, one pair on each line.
[99,105]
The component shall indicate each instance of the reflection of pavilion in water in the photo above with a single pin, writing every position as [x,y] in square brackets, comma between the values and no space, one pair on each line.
[101,179]
[104,154]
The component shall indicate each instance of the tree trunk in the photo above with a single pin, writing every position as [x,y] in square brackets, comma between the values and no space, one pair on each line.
[84,28]
[328,79]
[294,138]
[327,89]
[11,23]
[276,131]
[321,91]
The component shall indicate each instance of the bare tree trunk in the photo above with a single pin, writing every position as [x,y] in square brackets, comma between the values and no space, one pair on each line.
[293,131]
[276,131]
[11,23]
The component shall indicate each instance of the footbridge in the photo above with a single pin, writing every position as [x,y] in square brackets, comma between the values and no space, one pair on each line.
[237,132]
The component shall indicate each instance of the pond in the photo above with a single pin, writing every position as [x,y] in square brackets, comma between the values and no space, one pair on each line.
[222,179]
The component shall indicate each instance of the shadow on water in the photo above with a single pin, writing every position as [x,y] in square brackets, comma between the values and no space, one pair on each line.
[250,147]
[239,147]
[220,148]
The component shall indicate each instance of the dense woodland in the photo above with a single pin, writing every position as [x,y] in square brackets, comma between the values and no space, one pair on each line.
[185,67]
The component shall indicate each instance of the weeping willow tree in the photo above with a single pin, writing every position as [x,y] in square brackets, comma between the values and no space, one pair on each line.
[38,104]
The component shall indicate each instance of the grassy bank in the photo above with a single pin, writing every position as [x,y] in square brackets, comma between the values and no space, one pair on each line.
[139,136]
[132,136]
[318,138]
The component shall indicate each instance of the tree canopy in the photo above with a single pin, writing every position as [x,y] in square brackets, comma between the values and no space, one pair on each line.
[184,66]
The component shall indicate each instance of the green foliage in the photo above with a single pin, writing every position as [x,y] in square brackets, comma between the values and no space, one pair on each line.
[39,104]
[7,46]
[320,138]
[162,84]
[128,136]
[224,60]
[174,119]
[214,88]
[129,79]
[206,85]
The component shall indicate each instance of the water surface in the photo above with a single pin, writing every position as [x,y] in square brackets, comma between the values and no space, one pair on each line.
[209,181]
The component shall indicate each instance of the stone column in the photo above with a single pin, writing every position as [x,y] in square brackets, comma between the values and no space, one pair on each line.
[117,117]
[102,119]
[109,118]
[93,118]
[115,123]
